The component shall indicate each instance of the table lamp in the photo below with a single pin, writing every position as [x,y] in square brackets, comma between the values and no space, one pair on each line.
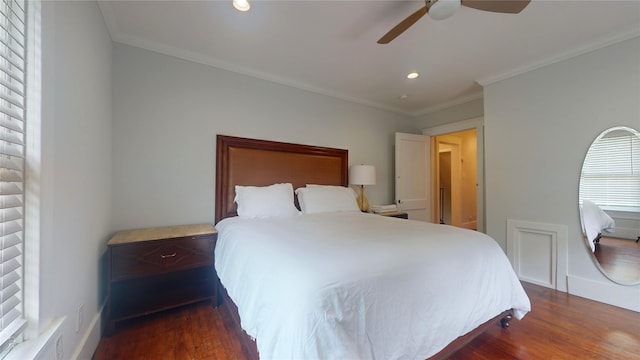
[362,175]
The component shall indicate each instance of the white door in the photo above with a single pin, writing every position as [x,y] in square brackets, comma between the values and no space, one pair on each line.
[412,175]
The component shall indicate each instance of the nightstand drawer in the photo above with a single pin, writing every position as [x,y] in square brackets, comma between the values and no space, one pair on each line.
[161,256]
[156,269]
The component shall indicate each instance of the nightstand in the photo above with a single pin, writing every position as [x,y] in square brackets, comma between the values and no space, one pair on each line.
[156,269]
[396,214]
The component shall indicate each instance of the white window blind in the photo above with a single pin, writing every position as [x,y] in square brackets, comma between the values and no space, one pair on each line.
[12,148]
[611,171]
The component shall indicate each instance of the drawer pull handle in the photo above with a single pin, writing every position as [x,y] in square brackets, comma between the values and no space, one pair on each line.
[167,256]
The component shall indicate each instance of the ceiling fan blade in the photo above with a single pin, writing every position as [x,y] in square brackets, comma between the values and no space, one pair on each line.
[403,25]
[499,6]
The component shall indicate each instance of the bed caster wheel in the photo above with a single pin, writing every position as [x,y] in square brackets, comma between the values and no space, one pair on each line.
[504,322]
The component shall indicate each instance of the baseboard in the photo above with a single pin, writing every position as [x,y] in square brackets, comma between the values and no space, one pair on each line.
[627,297]
[90,340]
[625,233]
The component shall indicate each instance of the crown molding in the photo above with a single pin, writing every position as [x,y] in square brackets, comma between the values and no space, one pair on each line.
[448,104]
[119,37]
[630,33]
[209,61]
[109,18]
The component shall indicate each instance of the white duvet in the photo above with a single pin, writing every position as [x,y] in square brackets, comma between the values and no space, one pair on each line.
[595,221]
[360,286]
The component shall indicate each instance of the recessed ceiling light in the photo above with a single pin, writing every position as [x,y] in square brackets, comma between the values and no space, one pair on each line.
[412,75]
[404,96]
[241,5]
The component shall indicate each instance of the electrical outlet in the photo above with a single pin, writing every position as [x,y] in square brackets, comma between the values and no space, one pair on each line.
[79,317]
[59,349]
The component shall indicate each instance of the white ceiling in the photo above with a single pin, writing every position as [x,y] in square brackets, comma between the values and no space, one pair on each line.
[330,47]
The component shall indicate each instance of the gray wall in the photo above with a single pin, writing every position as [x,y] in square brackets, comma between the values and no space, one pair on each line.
[128,140]
[168,111]
[76,191]
[468,110]
[538,127]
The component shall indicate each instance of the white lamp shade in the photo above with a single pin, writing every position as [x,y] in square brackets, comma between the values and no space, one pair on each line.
[362,175]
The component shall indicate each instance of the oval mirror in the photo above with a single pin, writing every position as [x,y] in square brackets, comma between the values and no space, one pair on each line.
[609,202]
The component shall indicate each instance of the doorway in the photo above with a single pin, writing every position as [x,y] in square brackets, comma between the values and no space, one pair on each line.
[463,204]
[455,177]
[444,167]
[448,174]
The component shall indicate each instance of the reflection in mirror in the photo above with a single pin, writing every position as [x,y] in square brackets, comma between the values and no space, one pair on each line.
[610,203]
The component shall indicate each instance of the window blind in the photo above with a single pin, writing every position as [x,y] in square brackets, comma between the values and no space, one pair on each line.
[12,149]
[611,171]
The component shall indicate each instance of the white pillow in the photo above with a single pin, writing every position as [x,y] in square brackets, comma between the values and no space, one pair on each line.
[265,201]
[337,188]
[324,198]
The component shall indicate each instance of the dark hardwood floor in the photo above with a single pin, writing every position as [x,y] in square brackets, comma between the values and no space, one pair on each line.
[560,326]
[619,258]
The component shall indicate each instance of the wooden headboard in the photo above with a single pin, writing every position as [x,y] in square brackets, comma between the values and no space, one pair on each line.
[251,162]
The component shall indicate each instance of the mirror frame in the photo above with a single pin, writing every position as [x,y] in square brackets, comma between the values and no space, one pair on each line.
[580,204]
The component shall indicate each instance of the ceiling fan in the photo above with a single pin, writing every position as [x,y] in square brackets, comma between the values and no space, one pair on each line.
[442,9]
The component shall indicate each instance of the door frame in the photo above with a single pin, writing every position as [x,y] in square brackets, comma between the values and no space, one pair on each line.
[478,124]
[454,144]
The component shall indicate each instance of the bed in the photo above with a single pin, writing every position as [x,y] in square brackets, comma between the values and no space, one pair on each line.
[594,222]
[335,283]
